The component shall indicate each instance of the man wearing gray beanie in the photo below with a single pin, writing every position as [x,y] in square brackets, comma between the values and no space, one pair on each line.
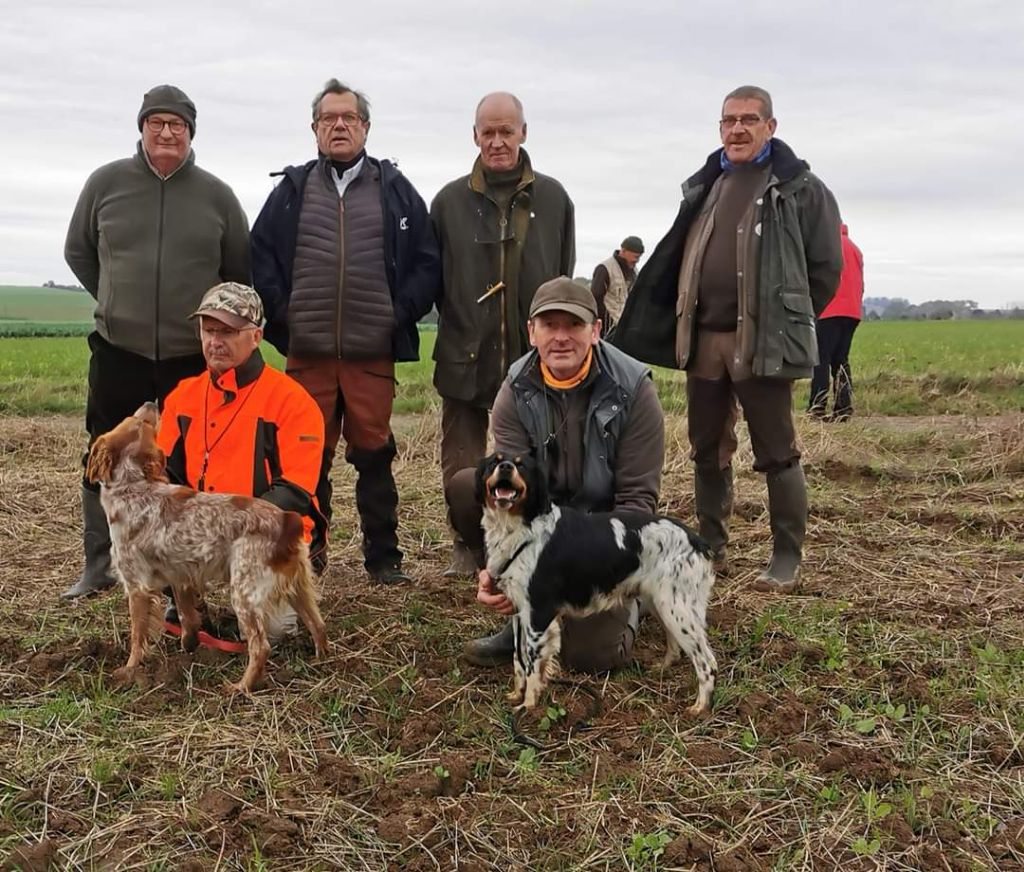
[149,235]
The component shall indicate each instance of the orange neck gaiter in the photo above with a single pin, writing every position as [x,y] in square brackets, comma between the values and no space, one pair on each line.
[572,381]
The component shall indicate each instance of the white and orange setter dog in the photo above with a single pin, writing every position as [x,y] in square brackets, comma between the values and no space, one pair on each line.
[163,535]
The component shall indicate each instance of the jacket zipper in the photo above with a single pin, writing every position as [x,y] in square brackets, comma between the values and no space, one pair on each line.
[159,255]
[341,266]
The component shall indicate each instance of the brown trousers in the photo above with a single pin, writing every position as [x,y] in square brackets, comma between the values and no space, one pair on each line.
[597,643]
[712,378]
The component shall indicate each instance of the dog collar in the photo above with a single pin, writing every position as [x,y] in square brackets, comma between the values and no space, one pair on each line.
[512,559]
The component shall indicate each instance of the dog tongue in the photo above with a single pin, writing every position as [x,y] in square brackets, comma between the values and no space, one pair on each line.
[504,493]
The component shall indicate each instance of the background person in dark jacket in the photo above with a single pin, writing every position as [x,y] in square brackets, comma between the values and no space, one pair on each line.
[613,280]
[835,328]
[591,414]
[502,227]
[346,263]
[730,295]
[149,235]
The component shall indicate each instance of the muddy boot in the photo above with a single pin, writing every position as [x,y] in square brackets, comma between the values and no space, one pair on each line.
[712,492]
[787,508]
[493,650]
[96,575]
[377,503]
[463,563]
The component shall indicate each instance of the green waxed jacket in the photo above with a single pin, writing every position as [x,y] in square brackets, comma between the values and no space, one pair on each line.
[527,244]
[147,248]
[799,263]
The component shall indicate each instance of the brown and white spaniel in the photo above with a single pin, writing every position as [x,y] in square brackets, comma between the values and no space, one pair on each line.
[163,535]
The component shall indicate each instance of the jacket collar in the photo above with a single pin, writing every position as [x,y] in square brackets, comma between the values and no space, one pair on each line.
[140,154]
[231,382]
[785,166]
[478,183]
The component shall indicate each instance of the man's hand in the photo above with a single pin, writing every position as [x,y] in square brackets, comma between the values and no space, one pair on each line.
[487,593]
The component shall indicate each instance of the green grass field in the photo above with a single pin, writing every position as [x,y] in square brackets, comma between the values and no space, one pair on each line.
[899,367]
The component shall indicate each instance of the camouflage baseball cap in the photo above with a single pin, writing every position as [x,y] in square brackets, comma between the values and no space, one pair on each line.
[235,304]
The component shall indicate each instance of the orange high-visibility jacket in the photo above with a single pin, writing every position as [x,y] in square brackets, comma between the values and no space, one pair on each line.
[253,431]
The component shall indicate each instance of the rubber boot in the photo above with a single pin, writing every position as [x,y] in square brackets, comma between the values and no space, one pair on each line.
[787,508]
[713,496]
[493,650]
[96,574]
[377,504]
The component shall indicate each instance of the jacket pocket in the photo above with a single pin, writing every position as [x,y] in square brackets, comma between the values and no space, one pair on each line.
[799,341]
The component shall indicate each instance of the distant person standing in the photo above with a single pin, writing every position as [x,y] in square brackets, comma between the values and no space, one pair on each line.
[504,230]
[149,236]
[835,329]
[613,280]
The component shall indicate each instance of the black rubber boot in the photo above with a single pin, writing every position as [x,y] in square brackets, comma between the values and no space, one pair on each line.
[787,507]
[713,497]
[377,503]
[493,650]
[96,575]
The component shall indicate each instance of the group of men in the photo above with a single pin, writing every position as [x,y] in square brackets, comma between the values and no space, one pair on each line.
[345,259]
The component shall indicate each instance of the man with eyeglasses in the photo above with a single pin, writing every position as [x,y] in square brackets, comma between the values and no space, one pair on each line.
[242,427]
[149,234]
[346,263]
[730,295]
[504,230]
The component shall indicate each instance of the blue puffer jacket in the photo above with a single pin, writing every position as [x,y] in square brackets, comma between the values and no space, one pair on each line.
[411,254]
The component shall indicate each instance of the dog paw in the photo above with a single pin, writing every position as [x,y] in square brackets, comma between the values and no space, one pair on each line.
[234,688]
[514,696]
[124,676]
[697,711]
[189,642]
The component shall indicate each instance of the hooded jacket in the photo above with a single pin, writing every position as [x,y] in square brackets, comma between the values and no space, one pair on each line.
[534,238]
[147,248]
[411,259]
[798,265]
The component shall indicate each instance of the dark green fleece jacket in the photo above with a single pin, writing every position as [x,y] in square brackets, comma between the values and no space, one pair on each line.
[147,248]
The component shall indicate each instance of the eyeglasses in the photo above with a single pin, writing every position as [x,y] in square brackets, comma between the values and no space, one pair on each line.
[350,119]
[730,121]
[156,125]
[223,332]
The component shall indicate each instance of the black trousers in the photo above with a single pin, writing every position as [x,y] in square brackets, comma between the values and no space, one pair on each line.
[120,382]
[835,336]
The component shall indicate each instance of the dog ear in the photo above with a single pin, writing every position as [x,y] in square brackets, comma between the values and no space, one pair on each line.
[482,469]
[154,465]
[102,460]
[538,499]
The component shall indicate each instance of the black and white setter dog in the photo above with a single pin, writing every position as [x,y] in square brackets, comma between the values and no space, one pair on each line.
[550,560]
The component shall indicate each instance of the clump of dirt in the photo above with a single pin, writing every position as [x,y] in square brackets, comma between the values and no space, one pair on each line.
[861,764]
[1007,839]
[339,775]
[218,804]
[704,754]
[776,718]
[35,857]
[687,849]
[274,835]
[800,749]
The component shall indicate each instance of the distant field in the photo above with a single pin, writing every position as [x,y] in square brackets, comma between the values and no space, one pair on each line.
[57,309]
[900,368]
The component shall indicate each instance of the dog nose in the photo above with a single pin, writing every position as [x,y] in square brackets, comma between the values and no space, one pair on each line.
[506,466]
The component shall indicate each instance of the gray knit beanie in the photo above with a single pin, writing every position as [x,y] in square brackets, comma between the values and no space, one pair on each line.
[167,98]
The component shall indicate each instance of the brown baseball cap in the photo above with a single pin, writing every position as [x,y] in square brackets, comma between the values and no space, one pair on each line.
[565,295]
[235,304]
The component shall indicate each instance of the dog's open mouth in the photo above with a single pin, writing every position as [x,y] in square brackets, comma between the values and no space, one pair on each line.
[504,494]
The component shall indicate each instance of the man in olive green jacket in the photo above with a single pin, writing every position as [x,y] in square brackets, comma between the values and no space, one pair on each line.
[730,295]
[503,230]
[149,236]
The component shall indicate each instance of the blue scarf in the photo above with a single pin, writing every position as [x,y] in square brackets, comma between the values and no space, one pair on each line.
[760,158]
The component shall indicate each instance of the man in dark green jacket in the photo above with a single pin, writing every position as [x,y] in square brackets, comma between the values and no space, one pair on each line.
[730,295]
[149,236]
[504,230]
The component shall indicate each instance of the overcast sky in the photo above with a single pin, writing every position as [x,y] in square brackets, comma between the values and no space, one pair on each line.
[911,112]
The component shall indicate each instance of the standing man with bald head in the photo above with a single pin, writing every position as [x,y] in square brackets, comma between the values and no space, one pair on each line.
[504,230]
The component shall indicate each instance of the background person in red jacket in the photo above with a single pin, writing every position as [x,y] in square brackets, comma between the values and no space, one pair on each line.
[835,329]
